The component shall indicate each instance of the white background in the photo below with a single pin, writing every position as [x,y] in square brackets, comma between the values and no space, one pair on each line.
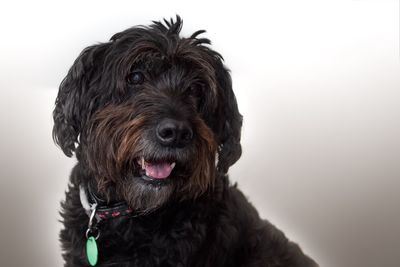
[317,82]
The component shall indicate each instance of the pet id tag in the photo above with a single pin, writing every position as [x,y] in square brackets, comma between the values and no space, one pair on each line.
[92,252]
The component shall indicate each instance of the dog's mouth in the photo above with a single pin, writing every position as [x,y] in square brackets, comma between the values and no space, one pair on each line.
[155,169]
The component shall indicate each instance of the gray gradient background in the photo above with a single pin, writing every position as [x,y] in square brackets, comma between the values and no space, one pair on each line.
[317,82]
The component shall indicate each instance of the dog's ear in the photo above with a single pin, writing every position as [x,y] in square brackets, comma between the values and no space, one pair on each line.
[229,121]
[70,110]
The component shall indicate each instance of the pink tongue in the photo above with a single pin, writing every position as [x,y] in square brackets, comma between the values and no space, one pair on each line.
[158,170]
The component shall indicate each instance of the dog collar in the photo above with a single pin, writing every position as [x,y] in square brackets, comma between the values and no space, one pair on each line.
[95,206]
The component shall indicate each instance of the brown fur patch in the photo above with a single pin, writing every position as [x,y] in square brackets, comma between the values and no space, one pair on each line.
[118,140]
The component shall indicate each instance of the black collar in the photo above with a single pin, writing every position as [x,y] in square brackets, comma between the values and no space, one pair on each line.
[102,210]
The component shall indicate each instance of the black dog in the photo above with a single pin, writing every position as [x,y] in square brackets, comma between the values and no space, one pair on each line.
[154,124]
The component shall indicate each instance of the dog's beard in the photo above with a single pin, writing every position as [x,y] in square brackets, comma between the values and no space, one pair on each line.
[119,138]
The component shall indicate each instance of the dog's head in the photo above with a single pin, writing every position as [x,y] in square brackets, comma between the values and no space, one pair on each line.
[150,114]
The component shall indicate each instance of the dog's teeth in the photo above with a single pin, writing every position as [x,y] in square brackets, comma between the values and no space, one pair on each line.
[147,174]
[143,164]
[173,165]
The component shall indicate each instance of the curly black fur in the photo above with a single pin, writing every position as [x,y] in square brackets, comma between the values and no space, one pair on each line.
[108,112]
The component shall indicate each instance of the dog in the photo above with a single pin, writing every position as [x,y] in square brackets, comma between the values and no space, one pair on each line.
[154,124]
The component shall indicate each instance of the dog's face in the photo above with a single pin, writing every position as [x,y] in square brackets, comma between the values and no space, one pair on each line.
[150,115]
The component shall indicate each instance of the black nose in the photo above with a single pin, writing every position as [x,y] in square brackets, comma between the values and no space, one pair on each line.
[174,133]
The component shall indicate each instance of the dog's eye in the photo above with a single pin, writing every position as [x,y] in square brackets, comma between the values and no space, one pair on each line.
[136,77]
[192,88]
[195,89]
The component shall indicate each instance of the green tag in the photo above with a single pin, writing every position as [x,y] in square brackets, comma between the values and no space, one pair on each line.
[92,252]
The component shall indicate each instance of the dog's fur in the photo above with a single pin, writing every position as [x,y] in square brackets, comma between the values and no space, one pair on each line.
[108,115]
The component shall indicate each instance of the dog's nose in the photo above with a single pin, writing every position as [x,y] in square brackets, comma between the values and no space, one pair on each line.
[172,132]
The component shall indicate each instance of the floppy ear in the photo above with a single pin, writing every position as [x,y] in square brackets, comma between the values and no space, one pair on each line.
[229,121]
[70,110]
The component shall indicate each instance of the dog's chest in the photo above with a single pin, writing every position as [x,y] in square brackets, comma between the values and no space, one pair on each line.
[151,243]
